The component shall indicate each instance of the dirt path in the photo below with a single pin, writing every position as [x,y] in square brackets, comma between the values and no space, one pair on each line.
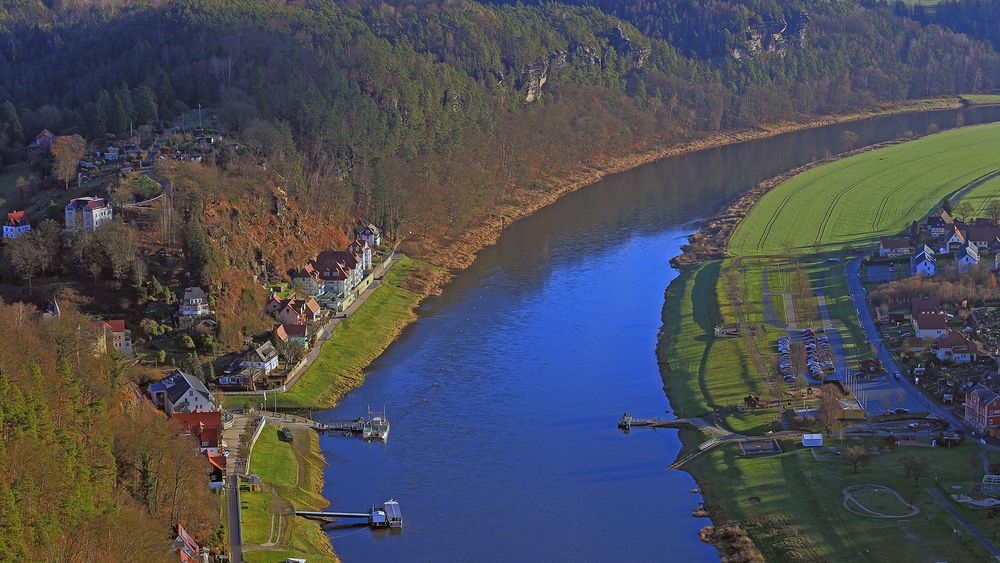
[790,311]
[770,316]
[857,507]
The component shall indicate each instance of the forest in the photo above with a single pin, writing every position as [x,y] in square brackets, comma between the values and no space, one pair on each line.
[419,115]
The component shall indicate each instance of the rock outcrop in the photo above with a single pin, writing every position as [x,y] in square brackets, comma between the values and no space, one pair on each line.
[771,35]
[625,47]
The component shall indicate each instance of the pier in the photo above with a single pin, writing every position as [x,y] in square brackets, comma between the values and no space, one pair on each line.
[627,421]
[386,515]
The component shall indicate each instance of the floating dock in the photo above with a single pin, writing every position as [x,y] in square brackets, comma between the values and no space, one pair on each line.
[386,515]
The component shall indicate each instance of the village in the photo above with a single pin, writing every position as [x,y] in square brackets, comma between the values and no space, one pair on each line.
[178,334]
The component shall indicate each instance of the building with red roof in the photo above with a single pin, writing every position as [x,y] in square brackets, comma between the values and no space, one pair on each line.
[16,224]
[930,325]
[87,213]
[205,427]
[293,333]
[955,347]
[119,336]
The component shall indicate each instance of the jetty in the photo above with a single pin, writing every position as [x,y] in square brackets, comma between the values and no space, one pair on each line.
[627,421]
[386,515]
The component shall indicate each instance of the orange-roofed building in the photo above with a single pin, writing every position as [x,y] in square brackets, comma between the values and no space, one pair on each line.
[206,427]
[119,336]
[16,224]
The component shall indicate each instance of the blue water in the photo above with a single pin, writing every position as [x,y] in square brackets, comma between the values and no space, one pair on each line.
[504,396]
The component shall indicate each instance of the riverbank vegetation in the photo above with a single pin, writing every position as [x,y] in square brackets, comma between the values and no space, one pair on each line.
[292,473]
[855,200]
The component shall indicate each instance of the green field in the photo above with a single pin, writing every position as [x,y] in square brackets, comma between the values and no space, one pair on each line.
[354,343]
[855,200]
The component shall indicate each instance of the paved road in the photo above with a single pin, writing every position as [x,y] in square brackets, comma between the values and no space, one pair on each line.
[885,392]
[936,495]
[235,534]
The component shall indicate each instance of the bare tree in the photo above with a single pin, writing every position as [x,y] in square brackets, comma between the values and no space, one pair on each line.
[993,207]
[68,150]
[855,456]
[915,467]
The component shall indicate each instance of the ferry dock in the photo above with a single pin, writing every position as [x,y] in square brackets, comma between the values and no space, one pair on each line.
[386,515]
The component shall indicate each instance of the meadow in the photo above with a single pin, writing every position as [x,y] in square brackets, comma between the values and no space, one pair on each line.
[853,201]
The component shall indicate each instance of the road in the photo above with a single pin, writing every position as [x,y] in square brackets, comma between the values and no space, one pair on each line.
[880,392]
[936,495]
[235,534]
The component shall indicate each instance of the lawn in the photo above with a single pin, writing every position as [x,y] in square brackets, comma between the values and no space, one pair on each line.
[792,505]
[293,477]
[356,342]
[853,201]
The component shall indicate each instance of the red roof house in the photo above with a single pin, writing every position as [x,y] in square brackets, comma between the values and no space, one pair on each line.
[206,427]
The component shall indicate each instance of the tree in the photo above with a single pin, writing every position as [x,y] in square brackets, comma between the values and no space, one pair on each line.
[146,107]
[855,456]
[118,117]
[68,150]
[829,410]
[10,123]
[186,342]
[28,255]
[993,208]
[850,138]
[915,467]
[964,210]
[21,185]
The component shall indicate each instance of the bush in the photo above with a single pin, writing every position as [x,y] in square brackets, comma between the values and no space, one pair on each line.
[185,342]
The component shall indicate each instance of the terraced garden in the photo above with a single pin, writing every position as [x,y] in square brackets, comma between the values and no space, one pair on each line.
[855,200]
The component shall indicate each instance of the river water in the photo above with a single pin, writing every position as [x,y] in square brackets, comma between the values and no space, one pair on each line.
[504,395]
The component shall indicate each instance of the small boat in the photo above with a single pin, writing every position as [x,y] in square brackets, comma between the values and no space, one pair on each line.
[376,427]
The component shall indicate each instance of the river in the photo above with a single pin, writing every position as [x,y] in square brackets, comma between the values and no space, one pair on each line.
[504,395]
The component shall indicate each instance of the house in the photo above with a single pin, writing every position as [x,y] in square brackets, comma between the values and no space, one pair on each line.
[293,333]
[967,256]
[812,440]
[274,304]
[87,213]
[955,347]
[241,376]
[194,303]
[180,392]
[984,237]
[205,427]
[894,247]
[929,325]
[43,141]
[364,250]
[939,225]
[119,336]
[263,357]
[370,234]
[218,463]
[16,225]
[982,409]
[299,311]
[923,263]
[339,270]
[307,279]
[952,240]
[924,304]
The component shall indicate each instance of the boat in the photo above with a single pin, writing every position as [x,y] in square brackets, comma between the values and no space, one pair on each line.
[376,427]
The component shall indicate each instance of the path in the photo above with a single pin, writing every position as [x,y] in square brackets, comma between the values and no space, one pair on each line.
[964,191]
[790,312]
[848,493]
[770,316]
[235,534]
[314,352]
[936,495]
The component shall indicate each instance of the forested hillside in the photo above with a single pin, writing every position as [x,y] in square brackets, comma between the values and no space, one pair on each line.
[90,471]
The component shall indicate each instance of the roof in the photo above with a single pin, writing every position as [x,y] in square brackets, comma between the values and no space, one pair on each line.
[206,426]
[985,395]
[370,229]
[178,383]
[925,304]
[266,352]
[970,250]
[217,460]
[896,243]
[292,331]
[931,321]
[117,325]
[87,202]
[16,219]
[983,234]
[924,254]
[194,293]
[956,341]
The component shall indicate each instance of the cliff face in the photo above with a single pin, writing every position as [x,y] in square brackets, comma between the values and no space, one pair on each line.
[771,35]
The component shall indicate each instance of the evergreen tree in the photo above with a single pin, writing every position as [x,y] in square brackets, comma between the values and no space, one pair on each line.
[118,118]
[12,546]
[148,112]
[11,123]
[96,121]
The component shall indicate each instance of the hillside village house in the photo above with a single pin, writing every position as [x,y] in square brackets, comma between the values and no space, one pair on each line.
[298,311]
[924,263]
[925,304]
[955,347]
[894,247]
[119,336]
[263,357]
[16,225]
[194,303]
[332,272]
[241,375]
[293,333]
[361,248]
[370,234]
[929,325]
[180,392]
[43,142]
[953,240]
[940,224]
[985,237]
[87,213]
[205,427]
[982,409]
[966,257]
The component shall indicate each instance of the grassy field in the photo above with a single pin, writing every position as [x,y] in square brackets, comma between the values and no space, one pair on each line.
[855,200]
[355,342]
[792,505]
[292,475]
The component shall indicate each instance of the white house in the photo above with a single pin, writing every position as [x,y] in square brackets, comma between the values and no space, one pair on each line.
[119,336]
[967,256]
[17,224]
[370,234]
[180,392]
[361,248]
[263,357]
[894,247]
[929,325]
[953,239]
[923,263]
[87,213]
[955,347]
[194,303]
